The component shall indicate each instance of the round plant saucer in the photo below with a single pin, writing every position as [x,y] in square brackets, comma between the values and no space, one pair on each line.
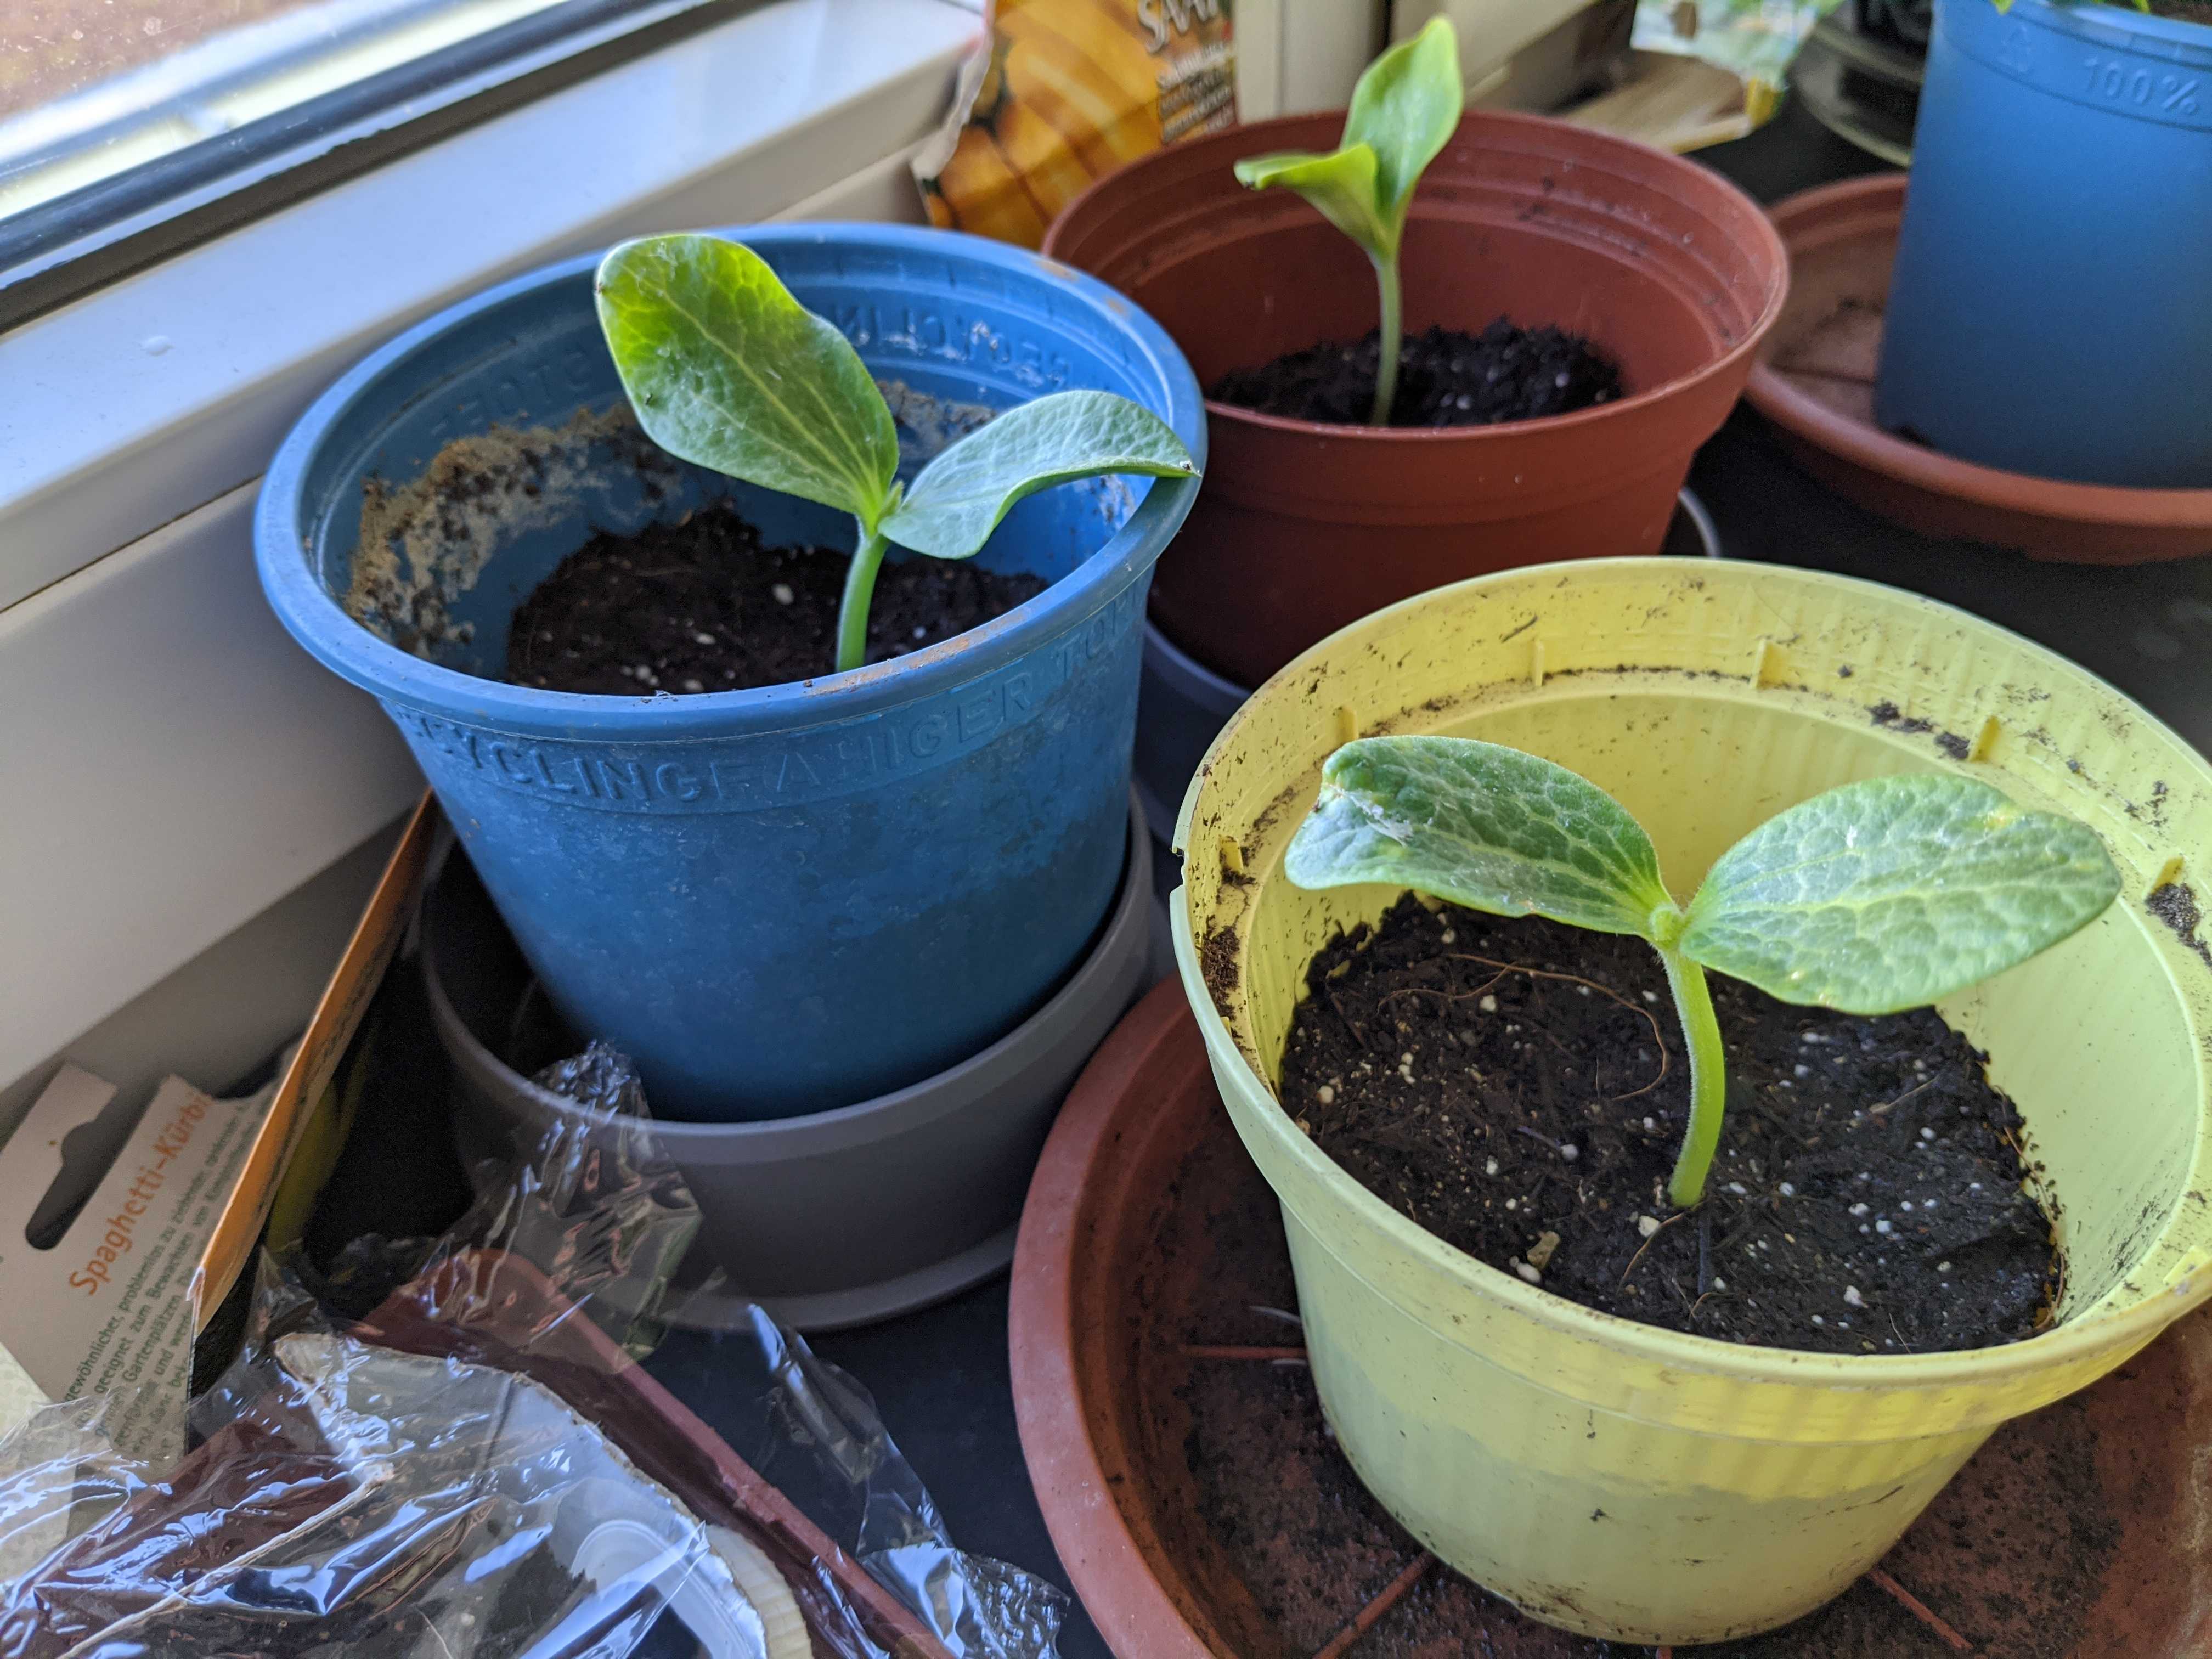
[1815,381]
[1197,1498]
[828,1220]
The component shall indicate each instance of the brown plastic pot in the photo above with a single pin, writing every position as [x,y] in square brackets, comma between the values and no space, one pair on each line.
[1304,527]
[1815,381]
[2074,1534]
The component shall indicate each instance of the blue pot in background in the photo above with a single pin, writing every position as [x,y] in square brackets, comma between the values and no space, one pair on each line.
[2047,310]
[783,900]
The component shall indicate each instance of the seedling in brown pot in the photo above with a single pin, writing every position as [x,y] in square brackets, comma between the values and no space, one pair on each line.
[1407,105]
[1871,898]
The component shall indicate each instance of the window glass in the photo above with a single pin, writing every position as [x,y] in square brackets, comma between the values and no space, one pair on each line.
[116,114]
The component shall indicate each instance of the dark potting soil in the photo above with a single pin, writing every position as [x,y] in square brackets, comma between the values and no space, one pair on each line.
[701,605]
[1501,1083]
[1446,377]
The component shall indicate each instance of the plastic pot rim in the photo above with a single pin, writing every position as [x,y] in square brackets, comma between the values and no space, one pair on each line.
[1249,203]
[1198,681]
[2127,1329]
[308,610]
[817,1133]
[2119,26]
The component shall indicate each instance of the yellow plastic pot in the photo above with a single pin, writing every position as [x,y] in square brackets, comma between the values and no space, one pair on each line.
[1611,1478]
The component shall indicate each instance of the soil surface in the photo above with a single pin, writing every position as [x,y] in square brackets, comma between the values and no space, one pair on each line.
[1519,1089]
[701,605]
[1446,377]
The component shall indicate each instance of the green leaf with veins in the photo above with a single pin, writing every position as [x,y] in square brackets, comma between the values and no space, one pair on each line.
[952,507]
[726,369]
[1892,893]
[1482,825]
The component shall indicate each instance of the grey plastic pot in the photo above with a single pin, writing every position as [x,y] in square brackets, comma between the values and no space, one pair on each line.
[1182,704]
[839,1218]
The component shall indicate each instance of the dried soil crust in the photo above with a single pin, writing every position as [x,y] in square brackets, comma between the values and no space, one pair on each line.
[1446,378]
[1519,1089]
[701,605]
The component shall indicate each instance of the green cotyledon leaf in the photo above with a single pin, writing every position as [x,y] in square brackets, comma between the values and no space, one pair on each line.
[1342,186]
[726,369]
[1405,108]
[1891,893]
[950,509]
[1484,826]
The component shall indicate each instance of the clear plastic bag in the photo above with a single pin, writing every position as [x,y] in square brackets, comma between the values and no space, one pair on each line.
[477,1468]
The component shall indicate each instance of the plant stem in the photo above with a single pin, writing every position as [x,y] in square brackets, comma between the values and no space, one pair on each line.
[860,590]
[1708,1078]
[1392,336]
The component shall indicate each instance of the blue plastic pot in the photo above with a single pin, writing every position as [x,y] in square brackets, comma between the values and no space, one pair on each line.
[784,899]
[2047,310]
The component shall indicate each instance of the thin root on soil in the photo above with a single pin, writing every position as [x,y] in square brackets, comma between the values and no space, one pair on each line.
[1919,1609]
[1646,1014]
[1638,1256]
[1364,1620]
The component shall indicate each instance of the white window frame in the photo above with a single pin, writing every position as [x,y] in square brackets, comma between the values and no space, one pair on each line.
[171,766]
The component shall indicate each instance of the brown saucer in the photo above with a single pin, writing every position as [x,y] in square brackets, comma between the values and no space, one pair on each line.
[1202,1510]
[1815,381]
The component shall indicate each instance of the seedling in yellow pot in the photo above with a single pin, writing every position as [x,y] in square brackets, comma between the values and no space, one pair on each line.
[1871,898]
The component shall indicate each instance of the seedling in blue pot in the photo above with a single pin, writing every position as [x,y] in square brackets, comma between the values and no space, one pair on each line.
[1407,105]
[727,370]
[1871,898]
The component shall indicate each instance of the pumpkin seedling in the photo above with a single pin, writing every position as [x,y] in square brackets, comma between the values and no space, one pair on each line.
[1871,898]
[1408,103]
[727,370]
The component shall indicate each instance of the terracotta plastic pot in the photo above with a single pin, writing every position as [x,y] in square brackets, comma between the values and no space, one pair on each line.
[1740,1486]
[1815,381]
[2072,1534]
[1182,704]
[1304,527]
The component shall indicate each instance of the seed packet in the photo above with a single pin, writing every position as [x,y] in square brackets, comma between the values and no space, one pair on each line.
[1062,93]
[1754,40]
